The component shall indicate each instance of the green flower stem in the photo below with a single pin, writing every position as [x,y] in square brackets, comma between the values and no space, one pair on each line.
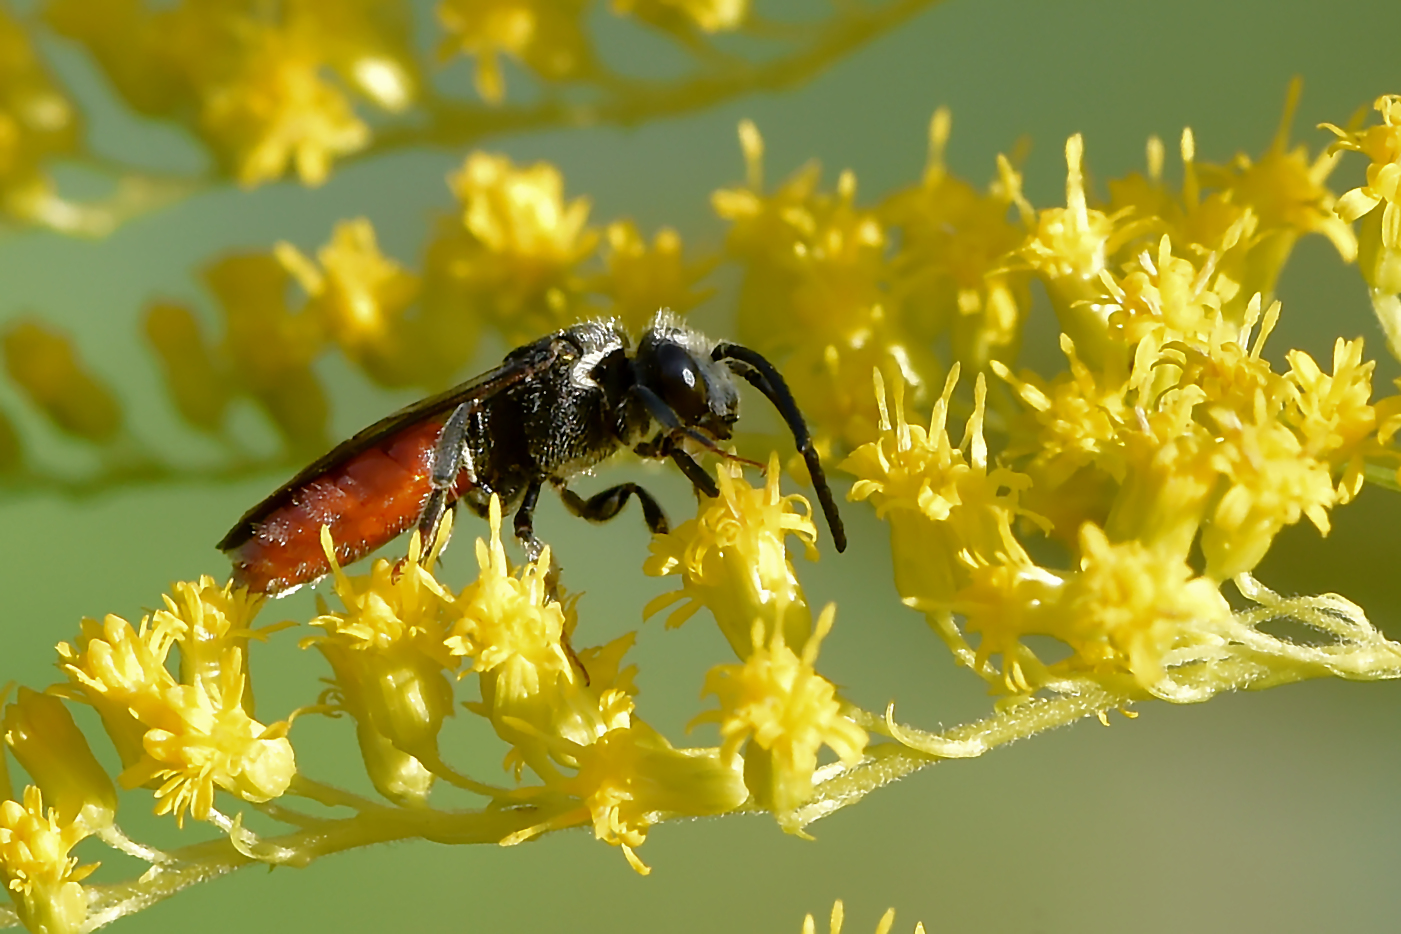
[890,761]
[210,859]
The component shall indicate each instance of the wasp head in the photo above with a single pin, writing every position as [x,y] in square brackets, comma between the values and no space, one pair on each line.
[675,363]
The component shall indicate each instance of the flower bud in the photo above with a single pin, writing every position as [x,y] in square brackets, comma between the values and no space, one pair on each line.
[46,741]
[45,364]
[196,384]
[396,774]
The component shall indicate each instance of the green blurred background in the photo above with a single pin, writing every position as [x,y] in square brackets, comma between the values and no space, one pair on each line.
[1271,812]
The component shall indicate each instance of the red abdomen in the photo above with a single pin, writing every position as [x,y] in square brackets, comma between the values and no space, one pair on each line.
[366,499]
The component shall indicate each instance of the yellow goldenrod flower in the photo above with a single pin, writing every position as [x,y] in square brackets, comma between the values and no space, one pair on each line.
[513,257]
[641,280]
[1129,604]
[1126,607]
[41,733]
[1378,204]
[43,880]
[681,15]
[733,560]
[360,297]
[398,775]
[1241,418]
[815,293]
[197,384]
[777,700]
[630,777]
[1381,144]
[1333,416]
[1003,602]
[1069,248]
[1286,192]
[46,366]
[386,648]
[517,638]
[943,502]
[1164,297]
[1238,221]
[192,737]
[277,109]
[886,922]
[951,273]
[209,622]
[547,35]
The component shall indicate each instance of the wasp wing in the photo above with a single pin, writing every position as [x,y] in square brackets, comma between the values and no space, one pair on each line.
[521,364]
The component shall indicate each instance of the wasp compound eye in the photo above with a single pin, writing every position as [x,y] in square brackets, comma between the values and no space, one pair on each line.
[680,383]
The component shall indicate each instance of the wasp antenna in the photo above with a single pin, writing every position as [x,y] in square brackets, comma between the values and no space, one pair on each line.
[764,376]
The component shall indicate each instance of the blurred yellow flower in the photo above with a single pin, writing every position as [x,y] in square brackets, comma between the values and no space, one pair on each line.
[678,15]
[277,109]
[37,121]
[270,347]
[45,364]
[194,378]
[640,280]
[950,273]
[513,256]
[361,297]
[546,35]
[816,294]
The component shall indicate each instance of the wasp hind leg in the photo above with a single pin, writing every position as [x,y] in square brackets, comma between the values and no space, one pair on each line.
[525,523]
[451,457]
[603,506]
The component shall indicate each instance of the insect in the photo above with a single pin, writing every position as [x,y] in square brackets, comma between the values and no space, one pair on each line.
[553,409]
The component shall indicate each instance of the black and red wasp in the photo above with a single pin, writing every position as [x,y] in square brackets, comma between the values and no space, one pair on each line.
[553,409]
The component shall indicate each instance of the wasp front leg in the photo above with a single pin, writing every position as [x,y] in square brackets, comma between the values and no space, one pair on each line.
[452,457]
[664,446]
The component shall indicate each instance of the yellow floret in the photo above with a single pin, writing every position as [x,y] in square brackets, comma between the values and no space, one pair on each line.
[777,700]
[43,880]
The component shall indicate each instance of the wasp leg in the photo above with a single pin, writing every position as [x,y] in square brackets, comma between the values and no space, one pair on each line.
[665,416]
[525,522]
[603,506]
[451,457]
[663,446]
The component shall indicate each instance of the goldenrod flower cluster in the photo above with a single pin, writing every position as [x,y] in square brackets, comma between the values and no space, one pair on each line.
[293,88]
[397,647]
[1119,506]
[519,258]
